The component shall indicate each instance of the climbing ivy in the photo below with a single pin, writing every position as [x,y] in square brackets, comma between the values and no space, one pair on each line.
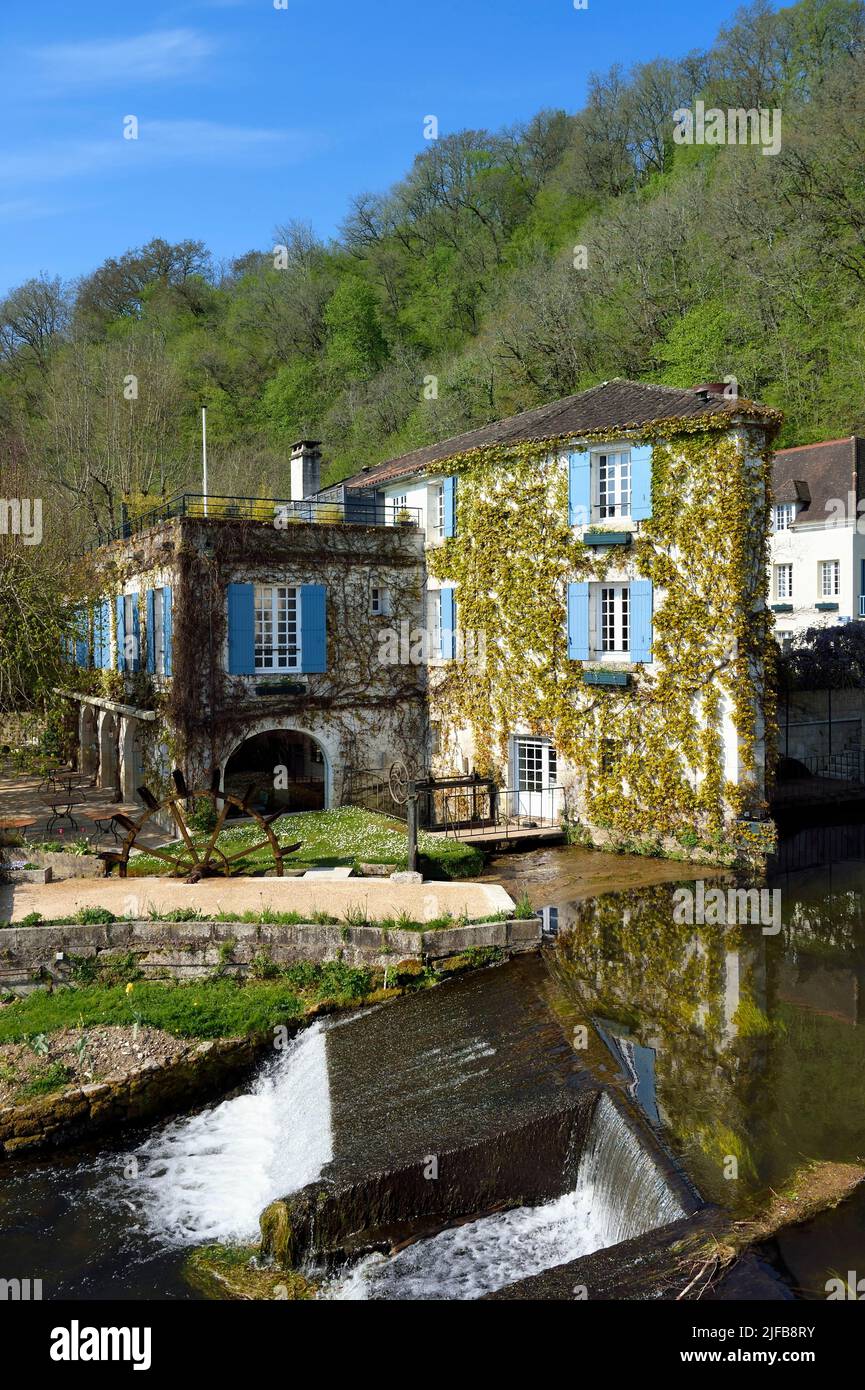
[705,547]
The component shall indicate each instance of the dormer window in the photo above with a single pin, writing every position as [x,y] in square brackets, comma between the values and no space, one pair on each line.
[783,516]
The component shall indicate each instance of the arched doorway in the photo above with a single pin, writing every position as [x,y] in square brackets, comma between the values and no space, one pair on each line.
[287,767]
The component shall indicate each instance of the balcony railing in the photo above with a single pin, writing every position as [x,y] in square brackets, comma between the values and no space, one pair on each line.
[862,605]
[279,512]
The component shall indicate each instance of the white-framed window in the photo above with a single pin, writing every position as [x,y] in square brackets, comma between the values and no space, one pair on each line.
[783,581]
[379,601]
[157,636]
[830,578]
[611,472]
[437,509]
[530,765]
[783,516]
[613,618]
[277,628]
[397,505]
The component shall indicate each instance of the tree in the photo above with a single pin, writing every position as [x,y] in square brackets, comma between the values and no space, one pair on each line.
[356,343]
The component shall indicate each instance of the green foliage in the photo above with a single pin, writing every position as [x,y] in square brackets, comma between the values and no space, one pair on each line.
[42,1082]
[94,916]
[219,1007]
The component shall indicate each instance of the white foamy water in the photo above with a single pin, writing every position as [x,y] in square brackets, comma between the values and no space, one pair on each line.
[620,1193]
[208,1177]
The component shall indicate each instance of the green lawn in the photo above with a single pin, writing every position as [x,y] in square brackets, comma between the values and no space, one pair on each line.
[347,835]
[212,1008]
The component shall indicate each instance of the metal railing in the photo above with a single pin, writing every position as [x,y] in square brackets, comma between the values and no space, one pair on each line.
[862,605]
[279,512]
[483,808]
[846,766]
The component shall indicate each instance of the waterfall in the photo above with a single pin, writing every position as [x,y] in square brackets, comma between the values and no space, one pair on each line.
[208,1177]
[620,1192]
[621,1182]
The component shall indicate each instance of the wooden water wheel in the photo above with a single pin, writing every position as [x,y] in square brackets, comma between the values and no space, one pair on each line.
[199,856]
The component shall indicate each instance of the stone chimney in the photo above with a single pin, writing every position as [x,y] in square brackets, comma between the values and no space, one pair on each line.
[305,469]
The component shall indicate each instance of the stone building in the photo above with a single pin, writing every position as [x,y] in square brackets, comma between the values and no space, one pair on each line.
[248,636]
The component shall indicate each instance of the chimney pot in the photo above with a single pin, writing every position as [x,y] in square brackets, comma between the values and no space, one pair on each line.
[305,469]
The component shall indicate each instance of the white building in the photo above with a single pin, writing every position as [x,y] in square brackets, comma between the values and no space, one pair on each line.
[817,549]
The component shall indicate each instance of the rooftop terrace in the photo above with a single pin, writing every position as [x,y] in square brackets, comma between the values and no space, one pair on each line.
[278,512]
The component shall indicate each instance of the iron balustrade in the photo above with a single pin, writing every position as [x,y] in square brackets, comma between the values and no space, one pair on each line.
[280,512]
[846,766]
[477,807]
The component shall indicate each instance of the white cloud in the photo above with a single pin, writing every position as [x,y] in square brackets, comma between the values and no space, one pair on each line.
[160,143]
[154,57]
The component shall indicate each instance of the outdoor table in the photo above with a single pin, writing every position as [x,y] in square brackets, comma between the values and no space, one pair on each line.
[60,802]
[22,823]
[103,817]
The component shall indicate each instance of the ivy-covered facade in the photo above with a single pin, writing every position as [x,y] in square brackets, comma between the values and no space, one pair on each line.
[607,557]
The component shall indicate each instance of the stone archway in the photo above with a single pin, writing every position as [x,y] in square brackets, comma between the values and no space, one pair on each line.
[109,753]
[131,773]
[289,768]
[88,740]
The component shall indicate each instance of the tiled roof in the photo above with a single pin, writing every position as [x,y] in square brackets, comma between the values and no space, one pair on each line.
[816,474]
[614,404]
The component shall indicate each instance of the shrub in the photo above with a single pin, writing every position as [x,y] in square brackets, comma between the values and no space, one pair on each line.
[94,916]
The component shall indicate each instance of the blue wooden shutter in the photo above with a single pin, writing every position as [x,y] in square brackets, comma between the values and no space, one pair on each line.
[241,629]
[136,634]
[167,631]
[578,622]
[151,634]
[101,644]
[450,506]
[579,489]
[641,619]
[641,482]
[82,646]
[447,624]
[120,633]
[313,629]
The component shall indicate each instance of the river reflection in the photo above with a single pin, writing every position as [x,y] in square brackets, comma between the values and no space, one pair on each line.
[745,1046]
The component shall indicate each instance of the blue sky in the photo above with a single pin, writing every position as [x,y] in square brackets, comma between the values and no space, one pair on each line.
[251,115]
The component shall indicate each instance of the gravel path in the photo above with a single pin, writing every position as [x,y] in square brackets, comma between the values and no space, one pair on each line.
[137,897]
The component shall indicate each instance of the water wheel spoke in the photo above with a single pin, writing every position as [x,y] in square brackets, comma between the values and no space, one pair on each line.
[250,849]
[179,821]
[163,854]
[211,844]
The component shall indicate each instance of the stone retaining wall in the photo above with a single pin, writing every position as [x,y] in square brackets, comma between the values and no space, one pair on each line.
[193,950]
[204,1070]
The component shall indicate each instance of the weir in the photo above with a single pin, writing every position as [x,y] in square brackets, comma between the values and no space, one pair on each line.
[621,1192]
[457,1120]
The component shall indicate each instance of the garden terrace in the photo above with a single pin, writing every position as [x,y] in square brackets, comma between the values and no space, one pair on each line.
[276,511]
